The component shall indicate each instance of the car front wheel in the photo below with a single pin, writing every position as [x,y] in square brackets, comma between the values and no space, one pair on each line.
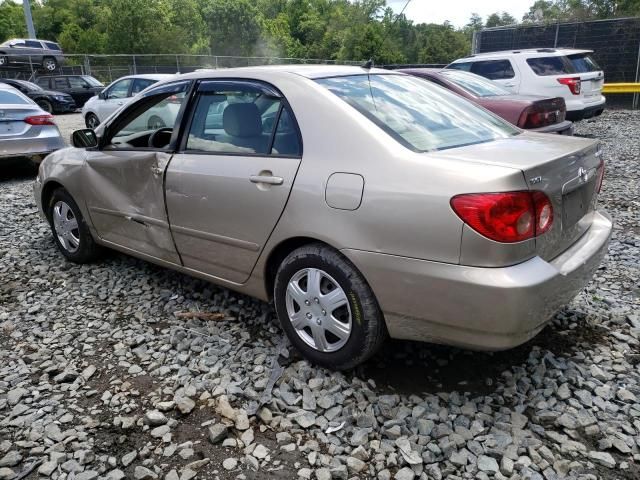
[70,231]
[91,121]
[4,61]
[49,64]
[45,105]
[327,309]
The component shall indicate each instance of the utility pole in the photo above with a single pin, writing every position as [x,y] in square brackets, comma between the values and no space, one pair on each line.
[27,18]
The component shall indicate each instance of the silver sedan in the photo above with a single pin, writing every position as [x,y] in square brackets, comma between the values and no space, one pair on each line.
[25,129]
[363,203]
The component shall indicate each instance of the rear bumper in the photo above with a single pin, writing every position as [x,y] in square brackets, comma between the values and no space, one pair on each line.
[47,141]
[480,308]
[589,110]
[562,128]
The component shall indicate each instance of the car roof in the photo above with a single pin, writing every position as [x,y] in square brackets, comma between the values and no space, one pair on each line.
[308,71]
[149,76]
[532,52]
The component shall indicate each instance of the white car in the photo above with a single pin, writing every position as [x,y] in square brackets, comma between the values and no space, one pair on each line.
[98,108]
[552,72]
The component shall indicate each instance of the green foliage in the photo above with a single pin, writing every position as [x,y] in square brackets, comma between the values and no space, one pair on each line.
[320,29]
[579,10]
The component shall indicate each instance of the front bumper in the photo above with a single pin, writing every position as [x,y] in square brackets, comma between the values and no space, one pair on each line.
[562,128]
[64,106]
[475,307]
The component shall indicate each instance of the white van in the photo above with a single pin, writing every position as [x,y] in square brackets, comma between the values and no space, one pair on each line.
[551,72]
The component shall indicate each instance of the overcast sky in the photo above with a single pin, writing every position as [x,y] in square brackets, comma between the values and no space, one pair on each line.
[458,11]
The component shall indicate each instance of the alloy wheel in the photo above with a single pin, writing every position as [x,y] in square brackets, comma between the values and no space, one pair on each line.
[318,310]
[66,226]
[49,64]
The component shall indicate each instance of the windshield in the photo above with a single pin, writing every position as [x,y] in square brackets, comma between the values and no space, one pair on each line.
[475,84]
[93,82]
[418,114]
[10,98]
[29,85]
[584,63]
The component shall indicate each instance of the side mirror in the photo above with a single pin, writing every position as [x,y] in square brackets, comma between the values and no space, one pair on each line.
[85,138]
[102,96]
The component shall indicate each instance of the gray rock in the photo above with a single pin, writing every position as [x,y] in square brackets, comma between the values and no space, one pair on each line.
[11,459]
[217,433]
[487,464]
[404,474]
[229,463]
[602,458]
[143,473]
[155,418]
[185,405]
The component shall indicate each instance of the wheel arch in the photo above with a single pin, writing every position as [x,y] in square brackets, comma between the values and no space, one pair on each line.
[47,192]
[279,253]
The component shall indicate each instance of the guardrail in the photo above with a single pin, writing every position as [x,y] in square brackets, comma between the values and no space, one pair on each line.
[621,88]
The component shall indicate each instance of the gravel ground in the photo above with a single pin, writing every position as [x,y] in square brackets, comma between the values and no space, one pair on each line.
[126,370]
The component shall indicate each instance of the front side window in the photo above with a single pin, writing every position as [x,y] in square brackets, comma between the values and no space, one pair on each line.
[159,112]
[139,84]
[43,82]
[474,84]
[418,114]
[77,82]
[546,66]
[493,69]
[119,89]
[242,119]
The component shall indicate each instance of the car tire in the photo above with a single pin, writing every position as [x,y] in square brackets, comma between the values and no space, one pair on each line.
[49,64]
[4,61]
[91,121]
[310,321]
[45,105]
[155,122]
[70,231]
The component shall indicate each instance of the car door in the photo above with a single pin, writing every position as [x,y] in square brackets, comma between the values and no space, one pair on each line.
[34,50]
[502,71]
[60,84]
[125,179]
[114,97]
[19,52]
[79,89]
[228,184]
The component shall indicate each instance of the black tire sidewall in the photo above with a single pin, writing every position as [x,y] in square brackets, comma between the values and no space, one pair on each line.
[87,249]
[89,116]
[53,60]
[44,102]
[357,294]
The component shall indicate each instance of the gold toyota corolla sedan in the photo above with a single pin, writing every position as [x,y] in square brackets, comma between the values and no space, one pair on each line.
[364,203]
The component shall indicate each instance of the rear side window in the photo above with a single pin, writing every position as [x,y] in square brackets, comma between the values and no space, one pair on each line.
[52,46]
[583,63]
[10,98]
[43,82]
[419,115]
[140,84]
[493,69]
[60,83]
[465,66]
[546,66]
[32,44]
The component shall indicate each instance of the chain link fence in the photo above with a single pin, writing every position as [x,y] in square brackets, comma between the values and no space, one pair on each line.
[616,45]
[108,68]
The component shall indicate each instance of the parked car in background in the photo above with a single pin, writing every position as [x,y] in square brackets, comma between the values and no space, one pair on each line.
[25,129]
[98,108]
[551,72]
[48,100]
[531,112]
[362,202]
[38,53]
[80,87]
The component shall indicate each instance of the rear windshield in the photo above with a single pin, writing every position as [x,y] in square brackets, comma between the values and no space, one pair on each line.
[546,66]
[418,114]
[583,63]
[474,84]
[10,98]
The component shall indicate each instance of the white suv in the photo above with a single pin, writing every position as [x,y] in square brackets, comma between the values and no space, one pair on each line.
[551,72]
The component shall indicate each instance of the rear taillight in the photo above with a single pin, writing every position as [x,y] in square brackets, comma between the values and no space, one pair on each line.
[572,82]
[40,120]
[506,217]
[541,115]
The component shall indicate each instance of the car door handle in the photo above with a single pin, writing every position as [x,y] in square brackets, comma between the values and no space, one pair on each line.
[269,180]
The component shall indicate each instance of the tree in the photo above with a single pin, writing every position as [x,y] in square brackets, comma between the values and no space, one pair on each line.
[11,20]
[500,19]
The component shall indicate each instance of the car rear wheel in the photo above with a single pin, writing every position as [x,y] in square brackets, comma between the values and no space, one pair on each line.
[4,61]
[70,231]
[91,121]
[327,309]
[45,105]
[49,64]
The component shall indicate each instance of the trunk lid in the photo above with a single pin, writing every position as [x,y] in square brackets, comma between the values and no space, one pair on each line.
[566,169]
[12,117]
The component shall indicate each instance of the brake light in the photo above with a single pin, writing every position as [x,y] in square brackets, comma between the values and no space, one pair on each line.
[537,116]
[40,120]
[506,217]
[572,82]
